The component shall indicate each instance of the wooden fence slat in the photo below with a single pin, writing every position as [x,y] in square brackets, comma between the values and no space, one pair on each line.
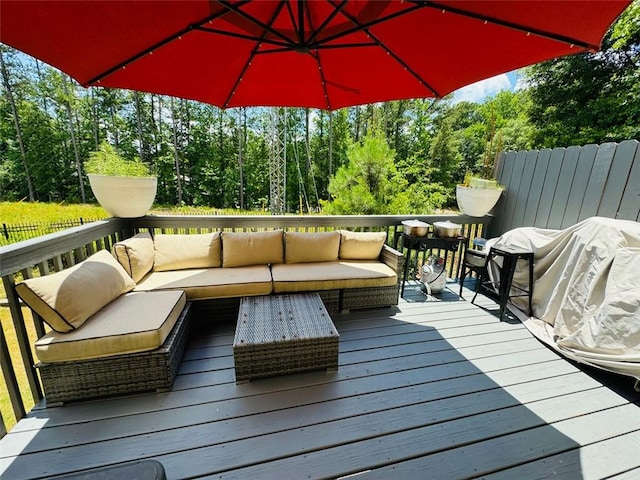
[617,179]
[597,180]
[523,189]
[579,185]
[549,187]
[505,180]
[565,180]
[630,205]
[513,191]
[536,185]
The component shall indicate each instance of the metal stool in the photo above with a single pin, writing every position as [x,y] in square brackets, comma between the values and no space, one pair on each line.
[510,255]
[474,261]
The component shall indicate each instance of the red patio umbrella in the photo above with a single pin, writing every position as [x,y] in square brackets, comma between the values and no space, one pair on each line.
[324,53]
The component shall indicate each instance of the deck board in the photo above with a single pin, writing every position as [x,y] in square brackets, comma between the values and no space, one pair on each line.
[436,385]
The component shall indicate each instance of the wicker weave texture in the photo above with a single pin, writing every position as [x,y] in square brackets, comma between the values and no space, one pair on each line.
[355,298]
[281,334]
[117,375]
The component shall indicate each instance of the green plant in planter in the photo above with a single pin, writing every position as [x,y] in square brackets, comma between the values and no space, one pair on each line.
[124,188]
[106,161]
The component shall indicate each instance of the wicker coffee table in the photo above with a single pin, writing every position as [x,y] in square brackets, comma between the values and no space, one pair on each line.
[281,334]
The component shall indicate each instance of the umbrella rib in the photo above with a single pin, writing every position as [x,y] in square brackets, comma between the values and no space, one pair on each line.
[243,37]
[364,26]
[253,53]
[322,79]
[266,27]
[390,53]
[326,22]
[155,46]
[513,26]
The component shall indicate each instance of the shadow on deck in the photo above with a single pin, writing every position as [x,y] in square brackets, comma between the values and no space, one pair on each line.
[437,388]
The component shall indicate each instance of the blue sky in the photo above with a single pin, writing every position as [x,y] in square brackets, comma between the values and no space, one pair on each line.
[479,91]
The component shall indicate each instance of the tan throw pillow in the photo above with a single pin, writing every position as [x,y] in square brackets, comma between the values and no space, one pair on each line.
[135,254]
[252,248]
[311,247]
[180,252]
[361,245]
[66,299]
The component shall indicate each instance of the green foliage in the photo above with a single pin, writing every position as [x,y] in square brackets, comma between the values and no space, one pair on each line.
[369,183]
[590,98]
[106,161]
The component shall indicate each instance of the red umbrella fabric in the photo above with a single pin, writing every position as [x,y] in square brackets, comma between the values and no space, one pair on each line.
[325,54]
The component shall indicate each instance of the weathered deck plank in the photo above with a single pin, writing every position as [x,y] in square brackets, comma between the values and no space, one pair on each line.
[434,386]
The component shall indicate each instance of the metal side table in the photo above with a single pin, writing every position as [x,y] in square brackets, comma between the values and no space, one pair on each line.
[510,255]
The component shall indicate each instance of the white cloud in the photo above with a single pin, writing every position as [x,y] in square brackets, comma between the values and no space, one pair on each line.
[477,92]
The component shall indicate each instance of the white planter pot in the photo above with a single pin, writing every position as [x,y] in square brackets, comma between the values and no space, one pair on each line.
[477,202]
[125,197]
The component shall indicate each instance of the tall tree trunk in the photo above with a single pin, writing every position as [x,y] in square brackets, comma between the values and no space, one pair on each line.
[175,151]
[330,150]
[72,131]
[136,96]
[16,123]
[240,159]
[41,80]
[94,114]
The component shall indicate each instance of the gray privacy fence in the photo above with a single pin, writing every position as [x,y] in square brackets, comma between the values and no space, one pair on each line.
[561,187]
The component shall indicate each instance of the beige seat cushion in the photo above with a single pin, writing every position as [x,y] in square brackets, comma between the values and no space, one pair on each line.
[66,299]
[135,254]
[361,245]
[212,282]
[183,251]
[311,247]
[134,322]
[300,277]
[252,248]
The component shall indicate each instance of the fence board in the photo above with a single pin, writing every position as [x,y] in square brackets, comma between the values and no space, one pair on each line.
[630,205]
[504,179]
[536,185]
[617,179]
[522,195]
[579,185]
[513,195]
[549,188]
[565,180]
[597,180]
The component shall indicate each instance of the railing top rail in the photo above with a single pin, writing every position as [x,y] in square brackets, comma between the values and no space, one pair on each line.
[253,221]
[26,253]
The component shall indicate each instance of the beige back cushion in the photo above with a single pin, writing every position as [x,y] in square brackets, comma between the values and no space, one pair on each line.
[66,299]
[179,252]
[135,254]
[361,245]
[252,248]
[311,247]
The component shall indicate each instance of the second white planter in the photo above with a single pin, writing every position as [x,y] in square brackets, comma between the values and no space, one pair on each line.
[477,202]
[125,197]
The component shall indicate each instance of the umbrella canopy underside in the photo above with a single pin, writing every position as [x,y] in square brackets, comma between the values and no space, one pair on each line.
[324,54]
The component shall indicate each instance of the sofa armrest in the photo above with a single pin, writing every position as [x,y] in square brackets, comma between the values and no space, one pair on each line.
[393,258]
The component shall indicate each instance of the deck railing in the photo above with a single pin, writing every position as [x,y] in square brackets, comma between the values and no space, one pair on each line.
[54,252]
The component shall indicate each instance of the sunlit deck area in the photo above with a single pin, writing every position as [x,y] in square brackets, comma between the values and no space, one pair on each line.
[436,388]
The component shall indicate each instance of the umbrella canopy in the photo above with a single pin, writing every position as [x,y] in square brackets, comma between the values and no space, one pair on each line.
[325,54]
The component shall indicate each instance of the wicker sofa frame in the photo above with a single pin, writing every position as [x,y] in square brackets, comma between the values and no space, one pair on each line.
[154,370]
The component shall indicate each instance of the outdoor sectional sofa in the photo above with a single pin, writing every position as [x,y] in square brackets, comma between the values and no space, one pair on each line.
[119,321]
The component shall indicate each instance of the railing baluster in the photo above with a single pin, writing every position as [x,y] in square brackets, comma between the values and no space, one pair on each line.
[22,337]
[17,405]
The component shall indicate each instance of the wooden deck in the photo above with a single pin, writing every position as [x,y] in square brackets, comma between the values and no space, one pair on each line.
[437,388]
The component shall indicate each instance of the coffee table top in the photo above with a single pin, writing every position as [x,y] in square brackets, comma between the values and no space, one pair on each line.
[282,318]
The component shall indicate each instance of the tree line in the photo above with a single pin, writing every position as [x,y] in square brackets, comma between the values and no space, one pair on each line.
[396,157]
